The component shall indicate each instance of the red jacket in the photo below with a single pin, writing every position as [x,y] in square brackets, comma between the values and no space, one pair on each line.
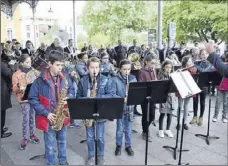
[146,74]
[223,85]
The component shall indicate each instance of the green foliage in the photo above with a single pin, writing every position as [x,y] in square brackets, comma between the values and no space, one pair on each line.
[113,17]
[98,39]
[197,19]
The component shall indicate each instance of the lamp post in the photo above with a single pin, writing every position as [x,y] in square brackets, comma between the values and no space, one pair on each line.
[74,25]
[159,44]
[34,25]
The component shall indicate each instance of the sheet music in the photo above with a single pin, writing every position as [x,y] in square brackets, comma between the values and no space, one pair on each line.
[185,84]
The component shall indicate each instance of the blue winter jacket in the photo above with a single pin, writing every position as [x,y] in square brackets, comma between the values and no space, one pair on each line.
[81,69]
[42,97]
[217,62]
[104,88]
[119,84]
[204,67]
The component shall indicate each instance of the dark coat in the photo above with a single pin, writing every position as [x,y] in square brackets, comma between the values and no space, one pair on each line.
[217,62]
[121,53]
[6,82]
[51,48]
[163,54]
[134,49]
[180,55]
[25,51]
[67,50]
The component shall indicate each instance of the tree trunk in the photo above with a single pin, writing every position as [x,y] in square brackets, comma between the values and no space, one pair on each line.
[204,35]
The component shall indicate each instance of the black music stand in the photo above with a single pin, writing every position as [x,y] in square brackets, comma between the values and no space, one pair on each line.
[205,79]
[154,92]
[96,108]
[173,89]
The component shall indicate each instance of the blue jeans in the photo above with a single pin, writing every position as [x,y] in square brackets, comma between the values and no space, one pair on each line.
[100,138]
[123,125]
[49,140]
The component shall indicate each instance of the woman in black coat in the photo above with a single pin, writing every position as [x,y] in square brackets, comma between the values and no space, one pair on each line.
[6,77]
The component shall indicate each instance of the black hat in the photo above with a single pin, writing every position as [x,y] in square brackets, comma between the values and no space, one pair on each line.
[182,43]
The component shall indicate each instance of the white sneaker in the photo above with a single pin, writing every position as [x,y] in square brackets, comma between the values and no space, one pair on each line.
[224,120]
[214,120]
[169,133]
[161,133]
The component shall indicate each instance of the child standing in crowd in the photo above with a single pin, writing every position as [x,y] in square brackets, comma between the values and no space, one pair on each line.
[124,125]
[166,108]
[95,85]
[203,66]
[148,73]
[186,62]
[222,96]
[81,65]
[44,96]
[19,85]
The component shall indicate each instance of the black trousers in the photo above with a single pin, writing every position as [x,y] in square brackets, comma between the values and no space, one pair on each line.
[144,115]
[161,119]
[3,120]
[202,96]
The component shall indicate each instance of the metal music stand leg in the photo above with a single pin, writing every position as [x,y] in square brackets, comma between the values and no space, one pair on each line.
[147,125]
[37,157]
[181,144]
[96,142]
[208,137]
[175,149]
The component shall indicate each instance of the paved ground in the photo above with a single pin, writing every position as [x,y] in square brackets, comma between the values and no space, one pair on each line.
[200,153]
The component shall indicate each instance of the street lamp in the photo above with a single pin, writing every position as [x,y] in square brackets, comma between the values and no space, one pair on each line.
[50,10]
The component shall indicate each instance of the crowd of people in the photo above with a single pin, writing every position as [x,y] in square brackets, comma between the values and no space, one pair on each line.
[79,67]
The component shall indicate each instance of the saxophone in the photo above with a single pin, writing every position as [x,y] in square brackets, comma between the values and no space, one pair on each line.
[60,111]
[93,93]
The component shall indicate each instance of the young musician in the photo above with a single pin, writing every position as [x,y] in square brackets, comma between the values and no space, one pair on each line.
[202,66]
[124,125]
[186,63]
[148,73]
[44,96]
[106,66]
[95,85]
[81,65]
[222,95]
[19,85]
[166,108]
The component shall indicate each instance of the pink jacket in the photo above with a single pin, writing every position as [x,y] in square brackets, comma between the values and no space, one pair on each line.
[18,79]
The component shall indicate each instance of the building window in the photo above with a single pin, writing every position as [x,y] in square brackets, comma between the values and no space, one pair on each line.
[28,27]
[9,34]
[37,35]
[28,35]
[36,27]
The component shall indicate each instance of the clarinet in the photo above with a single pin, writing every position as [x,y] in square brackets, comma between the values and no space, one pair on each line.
[127,87]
